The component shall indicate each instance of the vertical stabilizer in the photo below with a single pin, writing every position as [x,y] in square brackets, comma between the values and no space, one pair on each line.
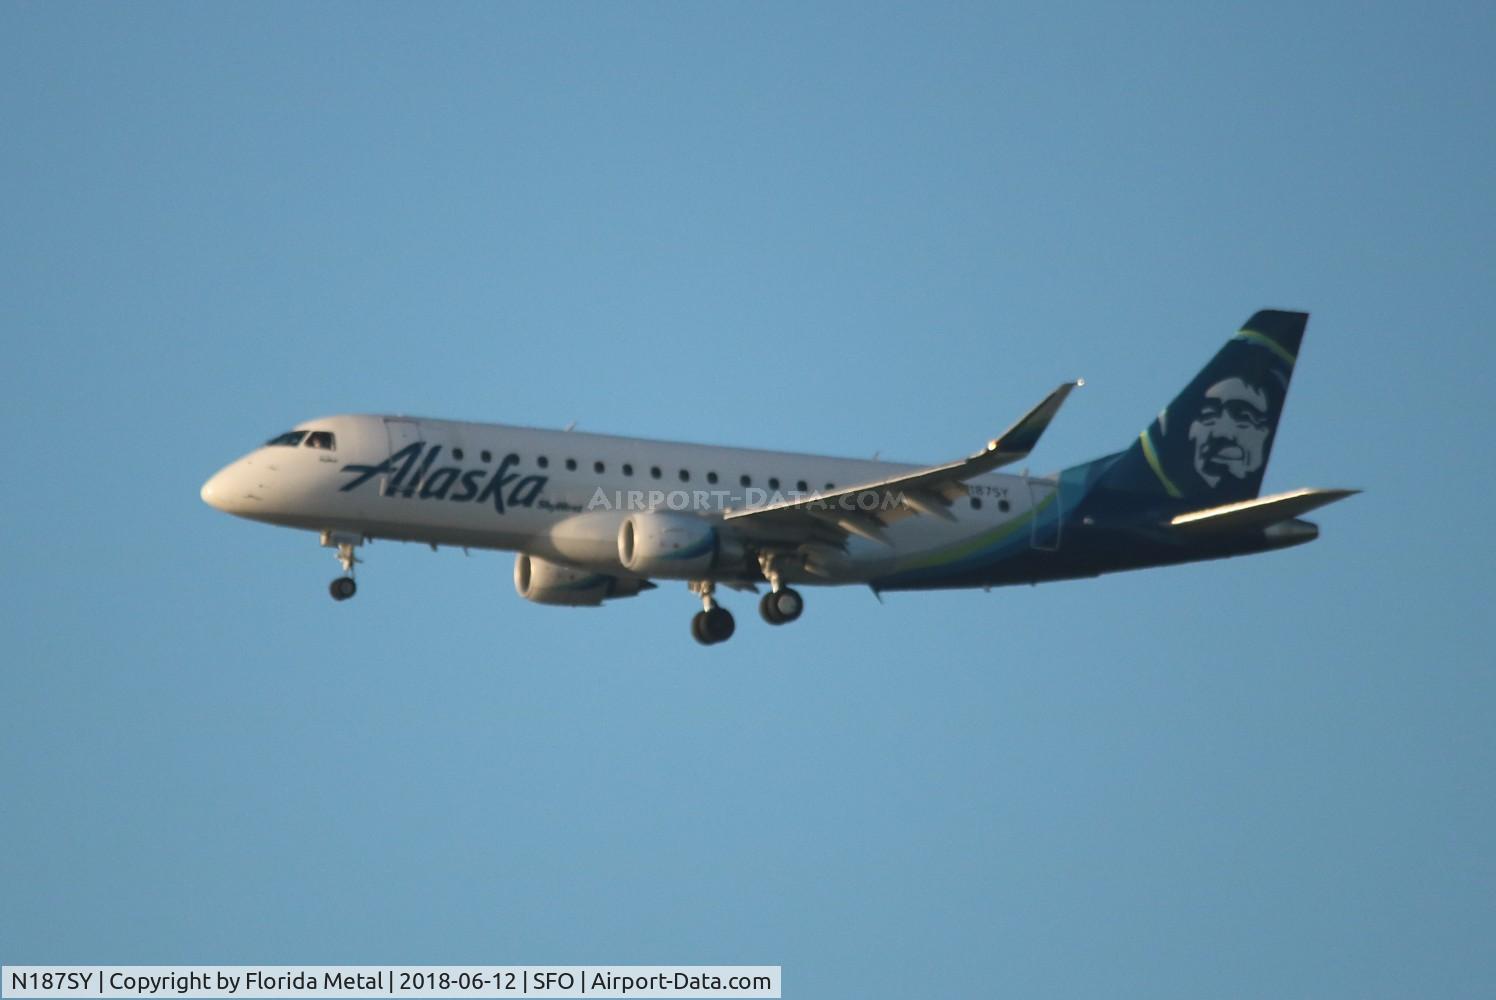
[1211,444]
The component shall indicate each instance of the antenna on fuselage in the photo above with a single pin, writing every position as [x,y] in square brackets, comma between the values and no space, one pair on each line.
[570,426]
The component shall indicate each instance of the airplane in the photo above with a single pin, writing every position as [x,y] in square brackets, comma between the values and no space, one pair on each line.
[594,518]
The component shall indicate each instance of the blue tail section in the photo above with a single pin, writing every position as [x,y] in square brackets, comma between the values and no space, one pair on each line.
[1211,444]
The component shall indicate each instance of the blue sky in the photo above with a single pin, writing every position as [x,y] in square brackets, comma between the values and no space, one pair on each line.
[837,228]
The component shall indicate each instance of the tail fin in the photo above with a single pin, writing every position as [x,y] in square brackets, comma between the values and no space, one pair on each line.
[1212,442]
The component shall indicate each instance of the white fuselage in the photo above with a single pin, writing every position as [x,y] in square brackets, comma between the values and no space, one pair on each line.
[562,495]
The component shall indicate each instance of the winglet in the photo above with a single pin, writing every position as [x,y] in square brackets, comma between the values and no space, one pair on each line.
[1017,441]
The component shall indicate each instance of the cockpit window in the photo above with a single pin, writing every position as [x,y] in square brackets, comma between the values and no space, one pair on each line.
[323,440]
[290,439]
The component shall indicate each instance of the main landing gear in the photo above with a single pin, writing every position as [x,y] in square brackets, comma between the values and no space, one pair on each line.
[713,623]
[781,605]
[343,587]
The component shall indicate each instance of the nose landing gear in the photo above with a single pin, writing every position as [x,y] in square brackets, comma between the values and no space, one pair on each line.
[343,587]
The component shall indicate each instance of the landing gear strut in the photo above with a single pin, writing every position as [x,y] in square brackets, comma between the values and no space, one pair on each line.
[781,605]
[713,623]
[343,587]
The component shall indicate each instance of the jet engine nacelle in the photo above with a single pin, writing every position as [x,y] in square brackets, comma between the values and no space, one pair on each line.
[545,582]
[674,545]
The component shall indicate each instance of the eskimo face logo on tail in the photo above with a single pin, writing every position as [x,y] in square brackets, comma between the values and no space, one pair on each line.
[412,477]
[1230,432]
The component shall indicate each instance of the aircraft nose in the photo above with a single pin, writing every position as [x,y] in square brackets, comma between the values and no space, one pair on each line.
[215,491]
[237,488]
[246,488]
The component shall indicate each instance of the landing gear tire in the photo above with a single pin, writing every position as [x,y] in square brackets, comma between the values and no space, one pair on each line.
[712,626]
[342,588]
[782,606]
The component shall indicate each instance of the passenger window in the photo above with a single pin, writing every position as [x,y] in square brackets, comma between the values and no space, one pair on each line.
[745,480]
[487,456]
[685,476]
[322,440]
[830,487]
[598,467]
[457,454]
[773,482]
[571,465]
[802,487]
[711,477]
[290,439]
[542,461]
[654,471]
[628,470]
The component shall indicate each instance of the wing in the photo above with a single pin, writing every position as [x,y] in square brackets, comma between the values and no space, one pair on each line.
[866,509]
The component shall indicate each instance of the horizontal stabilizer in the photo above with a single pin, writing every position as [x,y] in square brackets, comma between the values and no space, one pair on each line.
[1259,512]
